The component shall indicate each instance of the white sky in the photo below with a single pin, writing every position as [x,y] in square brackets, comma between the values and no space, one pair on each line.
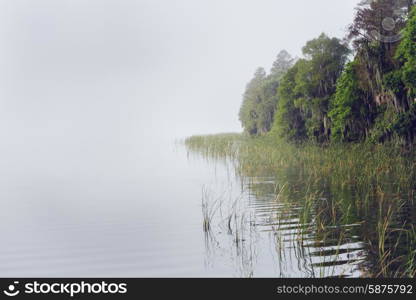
[111,69]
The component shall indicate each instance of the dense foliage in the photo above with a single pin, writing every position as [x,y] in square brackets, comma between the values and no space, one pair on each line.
[306,90]
[260,98]
[335,93]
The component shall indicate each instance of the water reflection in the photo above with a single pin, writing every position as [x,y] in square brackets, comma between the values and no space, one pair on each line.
[311,228]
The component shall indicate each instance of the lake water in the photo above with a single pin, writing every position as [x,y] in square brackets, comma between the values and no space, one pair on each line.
[104,209]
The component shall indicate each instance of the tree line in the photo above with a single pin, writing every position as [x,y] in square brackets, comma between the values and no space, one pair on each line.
[362,87]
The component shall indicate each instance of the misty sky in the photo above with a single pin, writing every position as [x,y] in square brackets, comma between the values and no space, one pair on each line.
[107,69]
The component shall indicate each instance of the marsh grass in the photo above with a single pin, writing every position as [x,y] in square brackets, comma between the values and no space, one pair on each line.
[369,186]
[362,165]
[225,215]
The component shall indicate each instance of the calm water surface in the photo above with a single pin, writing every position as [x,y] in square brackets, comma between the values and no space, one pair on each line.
[98,209]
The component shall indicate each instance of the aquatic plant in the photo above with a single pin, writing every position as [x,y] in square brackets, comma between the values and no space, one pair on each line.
[341,191]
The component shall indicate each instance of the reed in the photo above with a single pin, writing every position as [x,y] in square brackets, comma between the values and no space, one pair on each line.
[371,186]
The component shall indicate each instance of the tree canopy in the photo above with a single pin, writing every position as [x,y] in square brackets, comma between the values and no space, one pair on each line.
[337,94]
[260,97]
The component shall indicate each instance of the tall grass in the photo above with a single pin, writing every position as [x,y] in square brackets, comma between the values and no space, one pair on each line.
[372,186]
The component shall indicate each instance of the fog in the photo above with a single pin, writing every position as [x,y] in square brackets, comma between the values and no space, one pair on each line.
[107,70]
[92,93]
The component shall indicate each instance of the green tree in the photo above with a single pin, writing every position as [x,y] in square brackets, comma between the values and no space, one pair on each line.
[320,97]
[260,98]
[311,87]
[406,54]
[248,112]
[283,62]
[289,123]
[350,110]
